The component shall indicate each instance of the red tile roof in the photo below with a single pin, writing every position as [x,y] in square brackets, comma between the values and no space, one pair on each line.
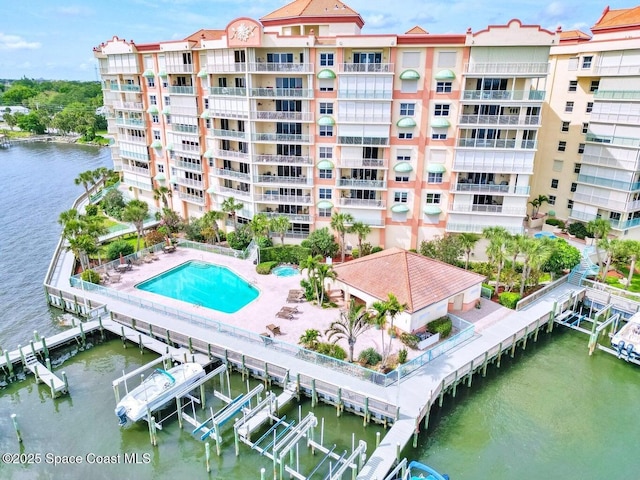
[416,30]
[623,17]
[416,280]
[205,34]
[311,8]
[574,35]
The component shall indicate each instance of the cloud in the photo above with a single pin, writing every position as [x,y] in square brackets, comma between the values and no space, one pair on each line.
[14,42]
[74,11]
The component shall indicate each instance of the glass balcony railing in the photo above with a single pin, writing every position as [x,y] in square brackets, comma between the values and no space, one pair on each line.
[509,68]
[259,67]
[135,155]
[189,182]
[129,88]
[363,203]
[182,90]
[366,67]
[138,170]
[617,94]
[617,70]
[496,143]
[194,167]
[232,192]
[362,162]
[624,141]
[499,120]
[608,182]
[130,122]
[281,92]
[289,116]
[228,91]
[302,180]
[349,140]
[277,198]
[140,185]
[219,132]
[479,227]
[293,217]
[182,128]
[197,199]
[283,159]
[136,106]
[227,172]
[358,183]
[218,152]
[280,137]
[516,95]
[482,208]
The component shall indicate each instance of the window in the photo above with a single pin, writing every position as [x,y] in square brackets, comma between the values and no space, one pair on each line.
[402,178]
[151,82]
[326,108]
[407,109]
[155,118]
[574,186]
[586,62]
[573,85]
[410,59]
[589,107]
[325,84]
[156,135]
[568,107]
[325,152]
[557,165]
[433,198]
[585,127]
[441,110]
[573,64]
[167,101]
[594,85]
[403,158]
[326,59]
[153,100]
[446,59]
[239,82]
[443,87]
[325,174]
[554,183]
[581,148]
[562,146]
[614,216]
[552,200]
[577,167]
[165,83]
[325,193]
[438,133]
[434,178]
[565,127]
[207,122]
[326,130]
[160,168]
[400,197]
[324,212]
[405,135]
[570,204]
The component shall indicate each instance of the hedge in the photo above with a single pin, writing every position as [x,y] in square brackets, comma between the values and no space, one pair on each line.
[265,268]
[555,221]
[441,325]
[370,356]
[331,350]
[90,276]
[509,299]
[284,254]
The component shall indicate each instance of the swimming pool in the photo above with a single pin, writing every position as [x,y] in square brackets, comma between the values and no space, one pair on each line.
[203,284]
[285,271]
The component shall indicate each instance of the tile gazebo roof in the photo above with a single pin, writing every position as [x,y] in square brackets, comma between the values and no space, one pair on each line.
[622,17]
[414,279]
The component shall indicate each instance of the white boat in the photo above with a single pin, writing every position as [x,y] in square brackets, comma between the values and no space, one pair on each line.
[417,470]
[627,340]
[161,387]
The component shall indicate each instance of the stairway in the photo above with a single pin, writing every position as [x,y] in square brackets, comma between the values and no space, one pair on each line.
[586,268]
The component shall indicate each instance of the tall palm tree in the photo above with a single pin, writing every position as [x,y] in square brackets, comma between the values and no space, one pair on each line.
[350,325]
[361,230]
[162,193]
[535,253]
[599,228]
[383,311]
[614,250]
[468,242]
[85,179]
[339,223]
[82,246]
[230,206]
[324,272]
[536,203]
[497,237]
[259,226]
[394,308]
[310,264]
[633,251]
[280,225]
[135,212]
[378,318]
[210,224]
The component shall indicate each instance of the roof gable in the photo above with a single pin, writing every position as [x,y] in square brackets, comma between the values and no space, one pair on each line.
[623,17]
[204,34]
[311,8]
[416,30]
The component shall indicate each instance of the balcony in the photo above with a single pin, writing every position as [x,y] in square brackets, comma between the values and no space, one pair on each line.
[489,188]
[617,94]
[138,170]
[502,95]
[282,159]
[384,117]
[366,67]
[608,182]
[481,208]
[283,180]
[193,167]
[227,114]
[266,67]
[215,68]
[187,182]
[128,88]
[496,143]
[182,128]
[187,197]
[180,68]
[218,132]
[499,120]
[289,116]
[293,217]
[509,68]
[232,192]
[283,199]
[363,140]
[362,162]
[185,148]
[234,174]
[479,227]
[133,106]
[228,91]
[130,122]
[280,137]
[281,92]
[605,202]
[624,224]
[633,119]
[365,95]
[617,70]
[134,155]
[585,217]
[140,185]
[363,203]
[605,157]
[359,184]
[182,90]
[230,154]
[621,141]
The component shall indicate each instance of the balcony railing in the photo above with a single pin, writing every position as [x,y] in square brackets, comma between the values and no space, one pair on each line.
[140,185]
[180,68]
[362,162]
[120,69]
[604,157]
[499,120]
[136,155]
[584,216]
[225,68]
[283,199]
[623,141]
[496,143]
[293,217]
[194,167]
[182,128]
[608,182]
[363,140]
[385,117]
[485,162]
[516,95]
[228,114]
[358,183]
[289,116]
[362,203]
[182,90]
[191,198]
[344,93]
[617,94]
[189,182]
[617,70]
[218,132]
[139,170]
[633,119]
[228,91]
[280,137]
[130,122]
[135,106]
[488,188]
[511,68]
[366,67]
[259,67]
[187,148]
[231,154]
[605,202]
[281,92]
[282,179]
[129,88]
[479,227]
[227,172]
[232,192]
[624,224]
[478,208]
[283,159]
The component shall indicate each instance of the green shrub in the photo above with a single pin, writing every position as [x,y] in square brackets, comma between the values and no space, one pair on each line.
[117,248]
[154,237]
[263,242]
[555,221]
[284,254]
[376,249]
[309,293]
[91,210]
[441,325]
[265,268]
[370,357]
[509,299]
[90,276]
[113,203]
[579,230]
[402,355]
[240,239]
[482,268]
[409,340]
[331,350]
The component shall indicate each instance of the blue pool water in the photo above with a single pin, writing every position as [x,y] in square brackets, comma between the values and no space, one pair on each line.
[285,271]
[203,284]
[545,234]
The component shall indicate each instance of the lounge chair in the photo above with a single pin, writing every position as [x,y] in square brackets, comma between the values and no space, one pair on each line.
[274,329]
[285,315]
[147,259]
[114,277]
[295,299]
[292,310]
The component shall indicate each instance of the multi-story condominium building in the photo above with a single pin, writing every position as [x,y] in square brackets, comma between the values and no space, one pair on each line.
[301,114]
[588,161]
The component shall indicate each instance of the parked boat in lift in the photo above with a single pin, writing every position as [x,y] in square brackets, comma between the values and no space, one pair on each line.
[627,340]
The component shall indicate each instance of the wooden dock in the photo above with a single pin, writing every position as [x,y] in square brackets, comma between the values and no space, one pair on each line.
[44,375]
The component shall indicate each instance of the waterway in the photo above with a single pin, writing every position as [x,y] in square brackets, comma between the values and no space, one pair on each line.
[552,412]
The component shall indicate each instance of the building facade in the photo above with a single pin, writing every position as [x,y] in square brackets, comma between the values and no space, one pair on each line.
[301,114]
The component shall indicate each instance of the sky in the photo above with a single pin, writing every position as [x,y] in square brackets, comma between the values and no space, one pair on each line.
[54,39]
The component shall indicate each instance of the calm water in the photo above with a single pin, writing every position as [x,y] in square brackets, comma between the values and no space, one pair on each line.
[552,413]
[203,284]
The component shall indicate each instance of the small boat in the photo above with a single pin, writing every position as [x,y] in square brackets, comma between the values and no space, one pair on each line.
[420,471]
[160,388]
[627,340]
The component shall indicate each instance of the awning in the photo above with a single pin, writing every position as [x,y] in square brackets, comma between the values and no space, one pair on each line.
[156,144]
[445,75]
[326,120]
[402,167]
[409,75]
[209,154]
[440,122]
[205,114]
[202,73]
[148,74]
[436,168]
[166,110]
[406,122]
[169,146]
[211,189]
[153,109]
[324,204]
[162,73]
[432,210]
[400,208]
[160,177]
[325,165]
[326,73]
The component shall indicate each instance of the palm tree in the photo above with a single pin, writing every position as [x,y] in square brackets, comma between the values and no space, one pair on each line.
[383,310]
[82,246]
[210,227]
[309,339]
[162,193]
[280,225]
[599,228]
[324,272]
[614,249]
[259,226]
[230,206]
[468,242]
[536,253]
[536,203]
[339,225]
[394,308]
[361,230]
[100,174]
[85,179]
[497,237]
[310,264]
[351,324]
[633,250]
[135,212]
[378,318]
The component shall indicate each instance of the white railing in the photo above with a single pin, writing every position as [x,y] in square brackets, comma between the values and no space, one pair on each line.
[280,67]
[362,162]
[280,137]
[136,106]
[227,172]
[232,192]
[228,91]
[228,114]
[513,68]
[138,156]
[196,167]
[349,140]
[189,182]
[617,70]
[478,227]
[362,202]
[218,132]
[181,68]
[615,118]
[345,93]
[281,92]
[496,143]
[225,68]
[128,168]
[293,217]
[276,198]
[489,209]
[283,159]
[519,95]
[366,67]
[499,120]
[282,179]
[230,154]
[191,198]
[273,115]
[182,90]
[130,122]
[358,183]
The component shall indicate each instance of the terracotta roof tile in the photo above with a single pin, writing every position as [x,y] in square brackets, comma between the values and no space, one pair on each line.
[416,30]
[416,280]
[204,34]
[574,35]
[311,8]
[623,17]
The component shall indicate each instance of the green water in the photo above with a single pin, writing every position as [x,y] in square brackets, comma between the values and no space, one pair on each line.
[551,413]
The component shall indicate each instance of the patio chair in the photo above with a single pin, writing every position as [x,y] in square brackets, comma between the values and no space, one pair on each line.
[274,329]
[285,315]
[147,259]
[114,277]
[292,310]
[295,299]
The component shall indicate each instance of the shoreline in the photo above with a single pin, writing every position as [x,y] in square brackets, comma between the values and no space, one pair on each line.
[49,138]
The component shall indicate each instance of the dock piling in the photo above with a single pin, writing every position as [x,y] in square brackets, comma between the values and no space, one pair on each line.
[14,419]
[65,380]
[44,348]
[36,337]
[8,363]
[140,342]
[82,335]
[124,338]
[48,364]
